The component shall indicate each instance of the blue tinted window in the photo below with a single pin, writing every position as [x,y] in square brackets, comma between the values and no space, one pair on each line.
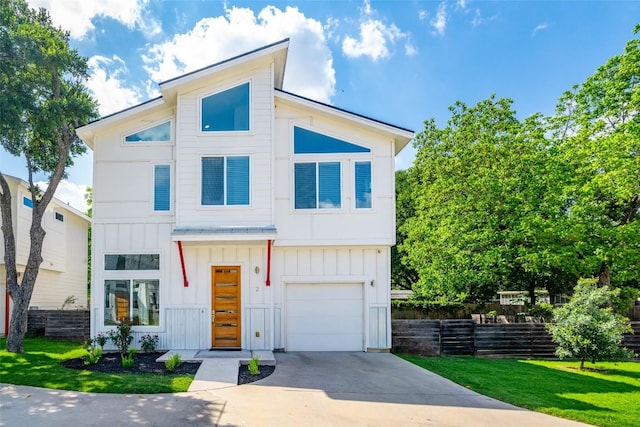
[329,185]
[162,188]
[305,185]
[225,180]
[27,202]
[59,216]
[227,110]
[238,180]
[308,142]
[363,185]
[160,133]
[317,185]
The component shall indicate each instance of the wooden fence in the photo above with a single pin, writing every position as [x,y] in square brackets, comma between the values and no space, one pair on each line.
[465,337]
[59,324]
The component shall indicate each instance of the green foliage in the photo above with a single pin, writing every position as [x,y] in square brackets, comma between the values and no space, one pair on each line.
[586,327]
[402,275]
[254,366]
[606,397]
[149,343]
[70,300]
[121,337]
[101,340]
[173,362]
[94,352]
[544,310]
[40,366]
[127,361]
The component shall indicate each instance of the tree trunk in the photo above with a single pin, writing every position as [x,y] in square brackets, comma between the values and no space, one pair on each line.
[581,363]
[532,295]
[604,277]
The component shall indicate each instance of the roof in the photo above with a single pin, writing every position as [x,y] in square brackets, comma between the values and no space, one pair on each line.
[278,51]
[231,233]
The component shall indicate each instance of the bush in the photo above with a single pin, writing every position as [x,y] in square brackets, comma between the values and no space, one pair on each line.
[586,327]
[121,337]
[253,366]
[148,343]
[127,361]
[94,353]
[173,362]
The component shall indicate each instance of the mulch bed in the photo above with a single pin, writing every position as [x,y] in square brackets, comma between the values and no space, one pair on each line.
[145,363]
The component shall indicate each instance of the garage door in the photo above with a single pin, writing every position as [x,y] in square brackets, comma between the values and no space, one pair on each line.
[324,317]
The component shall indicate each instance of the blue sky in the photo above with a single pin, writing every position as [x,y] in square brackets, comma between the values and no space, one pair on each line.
[397,61]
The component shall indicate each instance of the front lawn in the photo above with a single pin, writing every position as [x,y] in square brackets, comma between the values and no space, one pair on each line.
[40,366]
[608,394]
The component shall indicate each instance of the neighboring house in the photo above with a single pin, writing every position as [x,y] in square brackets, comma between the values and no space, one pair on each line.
[63,272]
[228,213]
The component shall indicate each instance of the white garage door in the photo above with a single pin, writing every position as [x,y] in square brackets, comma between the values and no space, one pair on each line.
[324,317]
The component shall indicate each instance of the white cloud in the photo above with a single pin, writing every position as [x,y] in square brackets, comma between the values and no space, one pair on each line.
[461,4]
[539,27]
[423,14]
[69,193]
[309,71]
[76,15]
[410,49]
[439,22]
[478,19]
[366,8]
[107,82]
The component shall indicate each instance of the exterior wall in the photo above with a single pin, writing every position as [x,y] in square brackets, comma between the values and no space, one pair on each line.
[194,144]
[375,226]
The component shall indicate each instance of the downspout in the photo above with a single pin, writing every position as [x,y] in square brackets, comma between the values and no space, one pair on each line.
[184,270]
[268,281]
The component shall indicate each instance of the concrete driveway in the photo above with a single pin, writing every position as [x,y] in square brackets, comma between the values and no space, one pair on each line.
[307,389]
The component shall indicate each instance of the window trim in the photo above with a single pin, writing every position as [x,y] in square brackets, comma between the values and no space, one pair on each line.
[224,205]
[232,85]
[60,214]
[155,123]
[153,189]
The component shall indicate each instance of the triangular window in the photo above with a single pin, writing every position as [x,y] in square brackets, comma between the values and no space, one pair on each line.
[308,142]
[159,133]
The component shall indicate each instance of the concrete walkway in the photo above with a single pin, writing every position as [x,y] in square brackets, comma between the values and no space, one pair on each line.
[306,389]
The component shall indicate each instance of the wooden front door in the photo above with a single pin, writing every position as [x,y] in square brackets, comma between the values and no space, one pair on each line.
[225,307]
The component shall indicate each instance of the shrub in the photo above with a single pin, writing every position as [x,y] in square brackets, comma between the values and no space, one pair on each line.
[121,337]
[127,361]
[253,366]
[173,362]
[101,340]
[148,343]
[94,353]
[586,327]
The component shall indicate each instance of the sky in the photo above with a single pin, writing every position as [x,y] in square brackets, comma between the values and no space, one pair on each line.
[402,62]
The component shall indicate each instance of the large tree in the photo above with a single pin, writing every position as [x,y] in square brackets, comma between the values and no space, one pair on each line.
[402,276]
[42,100]
[484,194]
[597,135]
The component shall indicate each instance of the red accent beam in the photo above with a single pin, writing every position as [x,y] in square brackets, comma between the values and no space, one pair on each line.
[184,270]
[268,281]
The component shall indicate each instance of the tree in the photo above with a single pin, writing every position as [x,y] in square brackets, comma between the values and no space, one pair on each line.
[42,101]
[402,276]
[484,196]
[597,135]
[586,327]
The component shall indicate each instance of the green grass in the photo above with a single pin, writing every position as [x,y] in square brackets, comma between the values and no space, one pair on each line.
[39,366]
[608,397]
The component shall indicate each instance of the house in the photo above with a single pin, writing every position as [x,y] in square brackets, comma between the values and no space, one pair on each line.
[63,272]
[229,213]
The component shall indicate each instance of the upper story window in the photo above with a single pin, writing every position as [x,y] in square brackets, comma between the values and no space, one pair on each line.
[225,181]
[132,262]
[317,185]
[363,185]
[227,110]
[161,188]
[309,142]
[27,202]
[158,133]
[59,216]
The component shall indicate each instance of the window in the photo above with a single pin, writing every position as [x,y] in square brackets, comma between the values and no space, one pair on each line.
[27,202]
[159,133]
[161,188]
[308,142]
[137,299]
[132,262]
[225,181]
[317,185]
[363,185]
[227,110]
[59,216]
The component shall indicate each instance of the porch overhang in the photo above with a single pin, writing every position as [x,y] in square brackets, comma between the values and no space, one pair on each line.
[224,234]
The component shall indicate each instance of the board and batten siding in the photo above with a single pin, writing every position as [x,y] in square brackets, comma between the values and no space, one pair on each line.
[256,143]
[367,265]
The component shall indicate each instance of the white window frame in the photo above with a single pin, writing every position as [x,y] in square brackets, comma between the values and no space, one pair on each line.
[200,132]
[199,204]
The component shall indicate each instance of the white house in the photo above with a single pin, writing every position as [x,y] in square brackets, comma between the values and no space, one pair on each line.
[229,213]
[63,272]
